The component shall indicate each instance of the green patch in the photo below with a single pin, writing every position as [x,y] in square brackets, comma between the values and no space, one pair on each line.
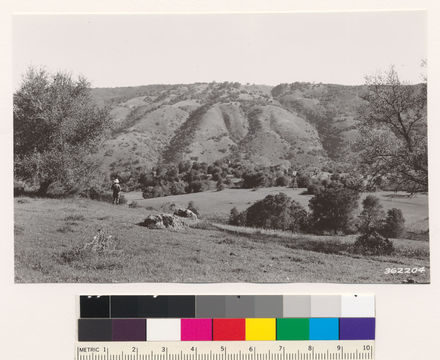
[293,329]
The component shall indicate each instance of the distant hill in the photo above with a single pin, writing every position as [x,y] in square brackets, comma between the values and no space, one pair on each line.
[301,124]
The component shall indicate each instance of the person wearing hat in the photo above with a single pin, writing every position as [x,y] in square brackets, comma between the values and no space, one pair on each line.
[116,188]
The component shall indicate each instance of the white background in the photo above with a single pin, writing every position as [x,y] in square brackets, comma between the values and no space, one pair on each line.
[38,321]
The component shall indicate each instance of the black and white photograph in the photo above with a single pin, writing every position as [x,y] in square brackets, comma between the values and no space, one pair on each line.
[195,148]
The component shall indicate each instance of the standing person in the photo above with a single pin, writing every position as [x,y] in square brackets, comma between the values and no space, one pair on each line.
[116,188]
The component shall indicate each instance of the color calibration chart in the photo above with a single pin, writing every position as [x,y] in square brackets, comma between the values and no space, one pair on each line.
[231,327]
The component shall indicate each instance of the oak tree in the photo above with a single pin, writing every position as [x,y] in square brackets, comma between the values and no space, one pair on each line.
[57,127]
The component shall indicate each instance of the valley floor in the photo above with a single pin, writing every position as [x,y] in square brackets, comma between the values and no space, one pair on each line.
[45,228]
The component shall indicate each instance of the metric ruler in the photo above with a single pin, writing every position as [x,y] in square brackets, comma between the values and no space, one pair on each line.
[227,350]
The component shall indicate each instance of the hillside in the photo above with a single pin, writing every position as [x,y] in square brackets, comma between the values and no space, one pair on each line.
[300,124]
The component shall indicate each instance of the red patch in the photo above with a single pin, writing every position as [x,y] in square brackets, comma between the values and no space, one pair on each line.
[229,329]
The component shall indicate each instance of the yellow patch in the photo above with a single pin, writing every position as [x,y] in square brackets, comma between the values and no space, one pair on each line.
[260,329]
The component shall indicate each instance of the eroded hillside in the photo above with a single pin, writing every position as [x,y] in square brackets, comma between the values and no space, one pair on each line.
[300,123]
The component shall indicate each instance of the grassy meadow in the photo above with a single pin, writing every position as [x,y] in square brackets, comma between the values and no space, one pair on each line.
[210,251]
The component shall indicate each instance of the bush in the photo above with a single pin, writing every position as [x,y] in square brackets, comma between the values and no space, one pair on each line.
[335,177]
[372,215]
[146,179]
[152,192]
[277,212]
[303,181]
[254,179]
[133,205]
[237,218]
[177,188]
[147,192]
[19,187]
[373,244]
[282,181]
[191,206]
[332,208]
[314,188]
[394,225]
[216,176]
[197,186]
[122,200]
[354,183]
[220,186]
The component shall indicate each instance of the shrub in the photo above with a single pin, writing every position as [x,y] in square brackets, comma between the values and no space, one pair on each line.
[335,177]
[282,181]
[228,182]
[314,188]
[197,186]
[216,176]
[332,208]
[133,205]
[353,182]
[373,244]
[177,188]
[152,192]
[372,215]
[303,180]
[394,225]
[237,218]
[122,200]
[146,179]
[74,254]
[254,179]
[191,206]
[75,217]
[277,212]
[220,186]
[184,166]
[147,192]
[19,187]
[165,190]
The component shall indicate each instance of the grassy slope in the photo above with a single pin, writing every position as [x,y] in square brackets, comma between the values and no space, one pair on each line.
[46,227]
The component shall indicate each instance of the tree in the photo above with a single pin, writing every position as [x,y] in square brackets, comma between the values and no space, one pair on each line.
[254,179]
[57,127]
[282,180]
[373,243]
[220,185]
[332,208]
[237,218]
[394,225]
[372,215]
[277,212]
[393,131]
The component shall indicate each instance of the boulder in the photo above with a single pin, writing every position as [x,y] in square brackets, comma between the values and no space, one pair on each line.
[185,213]
[154,222]
[164,221]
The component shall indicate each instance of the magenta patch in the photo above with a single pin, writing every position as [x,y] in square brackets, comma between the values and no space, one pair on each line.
[196,329]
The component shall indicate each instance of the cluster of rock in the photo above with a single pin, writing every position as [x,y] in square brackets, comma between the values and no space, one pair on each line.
[177,221]
[185,213]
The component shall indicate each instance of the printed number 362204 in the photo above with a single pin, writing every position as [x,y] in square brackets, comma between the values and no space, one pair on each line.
[400,270]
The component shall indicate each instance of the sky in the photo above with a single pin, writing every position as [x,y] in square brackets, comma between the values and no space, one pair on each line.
[131,50]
